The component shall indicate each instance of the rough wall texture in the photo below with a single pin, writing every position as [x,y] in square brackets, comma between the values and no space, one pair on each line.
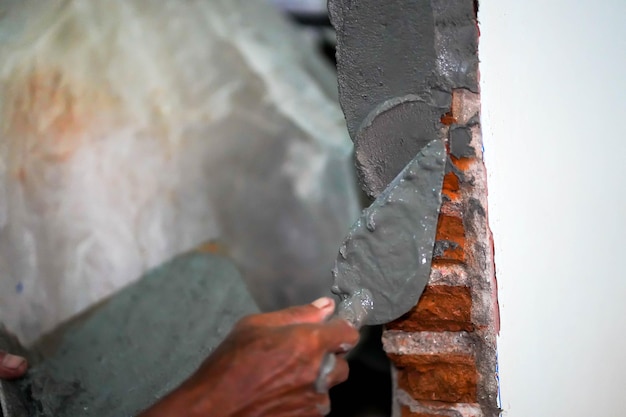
[444,349]
[408,74]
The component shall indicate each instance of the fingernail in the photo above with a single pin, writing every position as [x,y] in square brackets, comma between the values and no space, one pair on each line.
[345,347]
[322,303]
[12,362]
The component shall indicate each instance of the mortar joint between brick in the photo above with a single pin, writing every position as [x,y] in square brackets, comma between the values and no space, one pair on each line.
[438,408]
[428,343]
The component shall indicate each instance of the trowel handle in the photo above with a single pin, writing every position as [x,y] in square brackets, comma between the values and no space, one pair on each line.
[327,366]
[330,359]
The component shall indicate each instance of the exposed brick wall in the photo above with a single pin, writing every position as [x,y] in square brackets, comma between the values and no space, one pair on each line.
[444,349]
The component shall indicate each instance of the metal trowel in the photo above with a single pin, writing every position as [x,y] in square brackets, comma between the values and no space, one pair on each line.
[384,263]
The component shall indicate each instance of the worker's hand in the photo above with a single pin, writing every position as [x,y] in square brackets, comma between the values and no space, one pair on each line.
[12,366]
[267,366]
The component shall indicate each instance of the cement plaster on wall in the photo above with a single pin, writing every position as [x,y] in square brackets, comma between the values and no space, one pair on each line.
[390,50]
[460,142]
[392,134]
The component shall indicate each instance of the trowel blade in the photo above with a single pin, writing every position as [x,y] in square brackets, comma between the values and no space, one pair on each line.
[384,263]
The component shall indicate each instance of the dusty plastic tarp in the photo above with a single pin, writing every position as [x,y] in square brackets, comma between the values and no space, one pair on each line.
[131,131]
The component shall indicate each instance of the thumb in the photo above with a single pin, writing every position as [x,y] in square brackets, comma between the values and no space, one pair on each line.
[316,312]
[11,366]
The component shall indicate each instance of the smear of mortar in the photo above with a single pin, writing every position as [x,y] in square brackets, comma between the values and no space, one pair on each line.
[398,63]
[384,262]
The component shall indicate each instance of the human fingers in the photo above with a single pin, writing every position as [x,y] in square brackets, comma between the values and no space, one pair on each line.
[12,366]
[323,406]
[310,404]
[316,312]
[338,336]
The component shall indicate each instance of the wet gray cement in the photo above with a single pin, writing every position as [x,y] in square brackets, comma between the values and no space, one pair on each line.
[398,63]
[139,345]
[392,135]
[384,263]
[379,59]
[460,142]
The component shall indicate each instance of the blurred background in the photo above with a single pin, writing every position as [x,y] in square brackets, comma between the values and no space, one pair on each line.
[135,131]
[311,16]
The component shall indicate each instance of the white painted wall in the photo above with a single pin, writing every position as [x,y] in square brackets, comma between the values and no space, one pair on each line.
[553,79]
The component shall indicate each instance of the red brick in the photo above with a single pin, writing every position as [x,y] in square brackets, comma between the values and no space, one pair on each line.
[447,378]
[448,119]
[451,186]
[462,163]
[450,228]
[440,308]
